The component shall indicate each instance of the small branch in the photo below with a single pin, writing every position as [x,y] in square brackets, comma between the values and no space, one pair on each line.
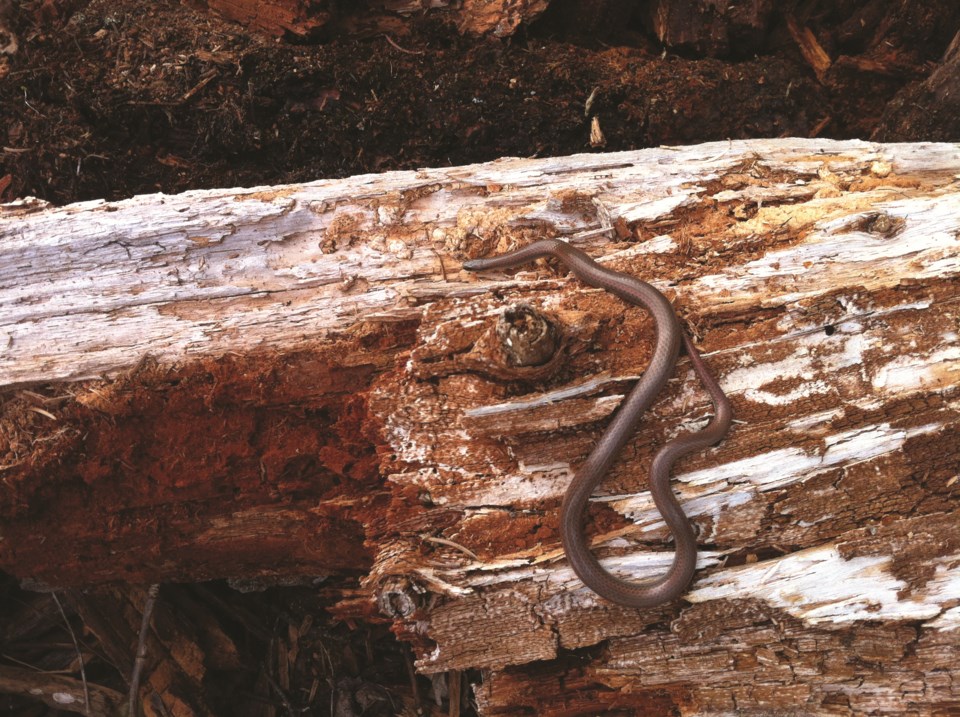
[412,674]
[280,693]
[76,645]
[141,658]
[810,48]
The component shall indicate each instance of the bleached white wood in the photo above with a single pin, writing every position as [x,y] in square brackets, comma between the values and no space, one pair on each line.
[90,288]
[820,586]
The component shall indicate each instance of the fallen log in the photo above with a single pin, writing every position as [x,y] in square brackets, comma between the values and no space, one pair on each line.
[289,381]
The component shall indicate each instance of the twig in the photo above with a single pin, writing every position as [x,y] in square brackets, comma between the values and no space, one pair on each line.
[451,544]
[281,693]
[443,269]
[42,412]
[141,658]
[412,673]
[27,103]
[76,645]
[454,683]
[34,668]
[810,48]
[395,45]
[199,86]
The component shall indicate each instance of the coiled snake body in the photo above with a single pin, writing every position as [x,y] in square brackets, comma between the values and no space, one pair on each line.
[669,338]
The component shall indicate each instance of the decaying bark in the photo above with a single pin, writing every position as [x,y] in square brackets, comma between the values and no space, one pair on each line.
[327,391]
[303,18]
[711,28]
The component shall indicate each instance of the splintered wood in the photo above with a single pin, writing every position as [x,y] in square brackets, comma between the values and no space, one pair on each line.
[819,279]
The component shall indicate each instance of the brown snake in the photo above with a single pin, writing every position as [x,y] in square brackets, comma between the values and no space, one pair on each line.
[669,337]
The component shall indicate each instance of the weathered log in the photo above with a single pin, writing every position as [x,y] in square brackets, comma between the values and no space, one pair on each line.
[326,391]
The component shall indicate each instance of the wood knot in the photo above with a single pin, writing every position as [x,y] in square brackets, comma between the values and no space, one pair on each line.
[523,343]
[527,337]
[881,224]
[400,599]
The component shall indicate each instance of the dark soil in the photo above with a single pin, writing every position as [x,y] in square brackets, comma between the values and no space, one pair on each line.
[107,99]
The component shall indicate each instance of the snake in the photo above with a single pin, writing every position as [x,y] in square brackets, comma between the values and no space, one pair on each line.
[669,339]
